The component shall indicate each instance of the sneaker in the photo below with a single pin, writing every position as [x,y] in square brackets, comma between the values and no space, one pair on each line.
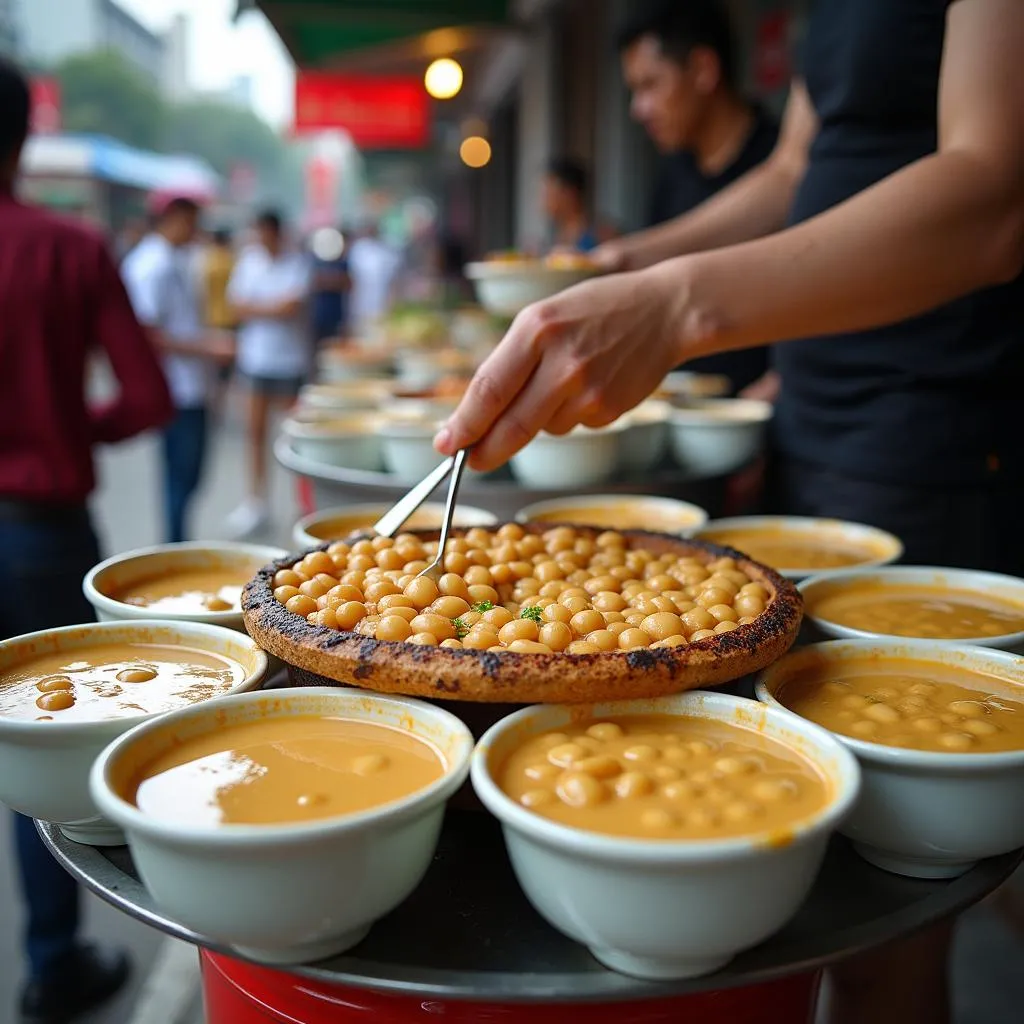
[81,982]
[249,518]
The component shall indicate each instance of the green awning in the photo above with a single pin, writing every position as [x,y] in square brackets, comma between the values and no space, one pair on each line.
[318,32]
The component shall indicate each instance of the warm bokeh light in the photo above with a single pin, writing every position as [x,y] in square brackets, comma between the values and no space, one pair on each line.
[444,78]
[475,151]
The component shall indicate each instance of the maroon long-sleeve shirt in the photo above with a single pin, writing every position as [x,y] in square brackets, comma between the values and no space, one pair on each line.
[60,300]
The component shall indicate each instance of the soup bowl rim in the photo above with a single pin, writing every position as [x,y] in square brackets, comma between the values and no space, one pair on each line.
[134,821]
[912,575]
[844,780]
[807,524]
[70,730]
[925,761]
[260,555]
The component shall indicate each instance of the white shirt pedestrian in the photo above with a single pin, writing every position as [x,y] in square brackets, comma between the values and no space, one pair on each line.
[373,266]
[269,347]
[163,292]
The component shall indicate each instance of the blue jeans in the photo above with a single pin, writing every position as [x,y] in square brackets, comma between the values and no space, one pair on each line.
[42,562]
[184,442]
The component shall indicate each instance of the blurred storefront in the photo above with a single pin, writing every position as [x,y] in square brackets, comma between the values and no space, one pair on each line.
[541,79]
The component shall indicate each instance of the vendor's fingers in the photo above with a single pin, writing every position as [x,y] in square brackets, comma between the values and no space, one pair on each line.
[564,419]
[495,385]
[529,414]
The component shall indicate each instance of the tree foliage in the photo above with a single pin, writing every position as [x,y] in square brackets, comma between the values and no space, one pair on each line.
[102,92]
[224,135]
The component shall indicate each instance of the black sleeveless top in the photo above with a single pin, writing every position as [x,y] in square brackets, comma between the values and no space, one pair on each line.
[935,399]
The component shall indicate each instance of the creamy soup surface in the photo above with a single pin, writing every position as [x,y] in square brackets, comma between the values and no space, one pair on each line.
[935,613]
[664,777]
[189,591]
[623,516]
[902,703]
[789,549]
[114,681]
[284,770]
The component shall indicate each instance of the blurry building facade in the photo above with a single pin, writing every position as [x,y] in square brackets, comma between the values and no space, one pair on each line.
[9,36]
[176,56]
[51,30]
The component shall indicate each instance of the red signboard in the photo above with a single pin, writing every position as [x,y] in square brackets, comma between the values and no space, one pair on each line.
[772,68]
[378,112]
[46,118]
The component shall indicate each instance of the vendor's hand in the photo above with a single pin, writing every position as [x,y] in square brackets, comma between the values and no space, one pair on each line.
[612,257]
[765,388]
[585,356]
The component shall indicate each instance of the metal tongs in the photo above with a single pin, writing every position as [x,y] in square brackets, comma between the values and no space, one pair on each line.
[395,518]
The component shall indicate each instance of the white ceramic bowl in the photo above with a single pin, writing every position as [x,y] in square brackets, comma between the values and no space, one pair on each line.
[925,814]
[316,529]
[647,437]
[984,584]
[664,910]
[880,548]
[404,408]
[349,364]
[133,566]
[296,892]
[44,766]
[580,458]
[423,368]
[714,436]
[408,448]
[662,515]
[506,288]
[349,441]
[682,386]
[347,397]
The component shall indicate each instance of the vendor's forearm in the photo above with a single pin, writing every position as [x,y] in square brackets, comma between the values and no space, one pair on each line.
[752,207]
[941,228]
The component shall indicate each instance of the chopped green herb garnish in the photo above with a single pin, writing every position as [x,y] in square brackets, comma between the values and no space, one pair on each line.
[531,613]
[483,606]
[461,629]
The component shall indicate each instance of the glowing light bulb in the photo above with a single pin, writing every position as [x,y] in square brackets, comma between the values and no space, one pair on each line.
[443,79]
[475,151]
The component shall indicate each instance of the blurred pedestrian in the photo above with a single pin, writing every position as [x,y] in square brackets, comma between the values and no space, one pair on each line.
[374,267]
[60,301]
[566,201]
[330,284]
[160,276]
[269,292]
[132,232]
[217,264]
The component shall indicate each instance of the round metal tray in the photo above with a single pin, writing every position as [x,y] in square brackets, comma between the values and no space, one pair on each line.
[498,492]
[469,933]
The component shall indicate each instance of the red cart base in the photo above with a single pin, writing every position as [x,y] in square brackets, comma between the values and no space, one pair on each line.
[238,993]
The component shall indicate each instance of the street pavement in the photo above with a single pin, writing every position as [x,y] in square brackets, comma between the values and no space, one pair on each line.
[988,975]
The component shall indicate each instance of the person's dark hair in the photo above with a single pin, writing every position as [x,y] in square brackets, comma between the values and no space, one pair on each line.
[271,220]
[179,205]
[221,236]
[15,104]
[681,26]
[570,173]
